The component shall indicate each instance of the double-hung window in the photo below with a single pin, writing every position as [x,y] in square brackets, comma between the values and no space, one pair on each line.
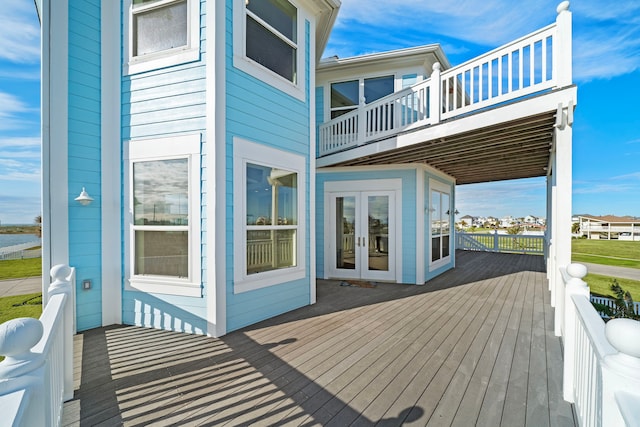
[161,33]
[163,245]
[268,37]
[268,216]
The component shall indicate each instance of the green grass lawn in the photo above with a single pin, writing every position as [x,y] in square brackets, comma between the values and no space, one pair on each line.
[601,285]
[20,268]
[20,306]
[607,252]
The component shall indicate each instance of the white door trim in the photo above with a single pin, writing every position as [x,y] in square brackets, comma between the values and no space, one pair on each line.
[332,187]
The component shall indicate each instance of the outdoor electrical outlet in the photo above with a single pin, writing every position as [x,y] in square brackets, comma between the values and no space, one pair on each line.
[86,284]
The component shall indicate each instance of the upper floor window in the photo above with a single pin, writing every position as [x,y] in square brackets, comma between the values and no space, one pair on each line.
[271,38]
[161,33]
[345,96]
[268,37]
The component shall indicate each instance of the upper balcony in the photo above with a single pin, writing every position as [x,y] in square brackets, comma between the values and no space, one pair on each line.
[490,118]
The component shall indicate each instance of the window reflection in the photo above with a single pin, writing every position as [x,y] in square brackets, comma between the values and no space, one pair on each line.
[160,192]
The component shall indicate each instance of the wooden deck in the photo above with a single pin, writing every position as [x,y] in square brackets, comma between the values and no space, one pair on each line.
[473,347]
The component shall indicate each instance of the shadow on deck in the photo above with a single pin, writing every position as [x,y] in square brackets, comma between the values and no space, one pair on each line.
[474,346]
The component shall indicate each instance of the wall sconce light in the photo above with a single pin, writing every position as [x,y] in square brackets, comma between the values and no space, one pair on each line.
[84,199]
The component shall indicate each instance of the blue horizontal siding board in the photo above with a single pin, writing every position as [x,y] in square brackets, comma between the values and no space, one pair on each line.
[260,113]
[84,155]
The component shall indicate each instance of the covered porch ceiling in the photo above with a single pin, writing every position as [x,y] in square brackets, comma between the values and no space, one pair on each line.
[506,142]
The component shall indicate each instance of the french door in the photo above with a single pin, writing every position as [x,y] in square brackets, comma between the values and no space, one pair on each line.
[362,234]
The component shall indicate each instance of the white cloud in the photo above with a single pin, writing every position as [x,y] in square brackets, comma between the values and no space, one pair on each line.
[15,113]
[20,33]
[19,142]
[518,198]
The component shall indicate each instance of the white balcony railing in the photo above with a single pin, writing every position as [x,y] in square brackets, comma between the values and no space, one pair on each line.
[36,376]
[535,63]
[494,242]
[601,361]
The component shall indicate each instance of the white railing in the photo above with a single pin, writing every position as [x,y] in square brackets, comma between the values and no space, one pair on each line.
[532,64]
[36,376]
[494,242]
[601,361]
[611,303]
[21,251]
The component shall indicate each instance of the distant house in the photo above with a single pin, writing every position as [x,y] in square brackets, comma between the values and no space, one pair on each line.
[467,221]
[610,227]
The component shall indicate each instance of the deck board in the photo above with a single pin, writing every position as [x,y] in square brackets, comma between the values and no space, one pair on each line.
[474,346]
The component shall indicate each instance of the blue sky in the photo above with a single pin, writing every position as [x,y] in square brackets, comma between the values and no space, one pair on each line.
[606,133]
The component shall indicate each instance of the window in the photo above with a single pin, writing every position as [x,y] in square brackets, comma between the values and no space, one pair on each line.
[161,218]
[162,33]
[268,217]
[268,43]
[272,218]
[164,193]
[271,36]
[345,95]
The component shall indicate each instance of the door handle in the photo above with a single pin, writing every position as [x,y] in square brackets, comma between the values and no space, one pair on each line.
[358,242]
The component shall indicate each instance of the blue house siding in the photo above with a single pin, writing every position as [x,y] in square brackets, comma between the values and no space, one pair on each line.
[160,103]
[408,177]
[84,157]
[258,112]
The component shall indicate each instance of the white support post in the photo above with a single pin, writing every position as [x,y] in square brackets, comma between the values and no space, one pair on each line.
[435,95]
[496,243]
[561,229]
[63,278]
[562,52]
[575,286]
[362,116]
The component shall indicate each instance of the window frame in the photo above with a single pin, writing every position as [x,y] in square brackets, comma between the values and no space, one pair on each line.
[165,58]
[158,149]
[244,152]
[361,89]
[242,62]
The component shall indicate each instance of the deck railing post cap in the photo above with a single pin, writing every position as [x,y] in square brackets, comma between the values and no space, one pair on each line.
[562,7]
[18,336]
[624,336]
[436,66]
[60,272]
[577,270]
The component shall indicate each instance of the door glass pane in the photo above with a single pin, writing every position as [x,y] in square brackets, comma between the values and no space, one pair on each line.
[378,209]
[345,233]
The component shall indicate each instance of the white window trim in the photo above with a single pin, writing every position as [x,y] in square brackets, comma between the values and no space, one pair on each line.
[250,152]
[249,66]
[442,188]
[165,58]
[184,146]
